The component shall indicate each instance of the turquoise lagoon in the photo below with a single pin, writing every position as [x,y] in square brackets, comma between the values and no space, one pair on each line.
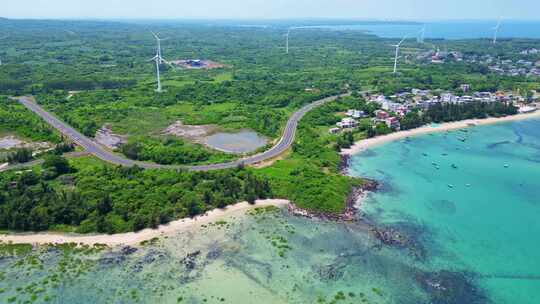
[476,195]
[472,229]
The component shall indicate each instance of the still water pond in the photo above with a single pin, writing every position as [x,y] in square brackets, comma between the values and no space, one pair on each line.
[245,141]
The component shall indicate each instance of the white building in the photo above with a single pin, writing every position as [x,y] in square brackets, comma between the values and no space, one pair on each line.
[347,123]
[334,130]
[449,98]
[391,106]
[526,109]
[356,114]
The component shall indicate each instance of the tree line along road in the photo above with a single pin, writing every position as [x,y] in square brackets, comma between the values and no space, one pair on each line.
[98,151]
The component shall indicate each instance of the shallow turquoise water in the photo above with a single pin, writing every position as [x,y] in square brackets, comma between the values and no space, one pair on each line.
[478,201]
[468,244]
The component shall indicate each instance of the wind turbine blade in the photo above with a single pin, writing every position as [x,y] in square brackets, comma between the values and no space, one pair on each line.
[402,40]
[169,64]
[155,35]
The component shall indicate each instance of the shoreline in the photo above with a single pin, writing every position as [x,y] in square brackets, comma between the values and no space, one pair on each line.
[135,238]
[352,205]
[366,144]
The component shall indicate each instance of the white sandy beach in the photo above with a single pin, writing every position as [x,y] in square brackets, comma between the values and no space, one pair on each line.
[379,140]
[135,238]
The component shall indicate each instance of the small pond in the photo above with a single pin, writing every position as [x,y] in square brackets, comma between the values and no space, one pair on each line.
[245,141]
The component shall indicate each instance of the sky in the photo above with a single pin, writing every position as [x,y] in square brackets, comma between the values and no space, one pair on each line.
[273,9]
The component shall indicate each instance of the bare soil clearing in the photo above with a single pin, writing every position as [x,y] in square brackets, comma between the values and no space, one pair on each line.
[107,138]
[198,64]
[11,142]
[193,133]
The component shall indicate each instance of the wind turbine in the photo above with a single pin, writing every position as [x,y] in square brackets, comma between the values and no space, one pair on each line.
[421,35]
[159,60]
[496,29]
[397,46]
[289,30]
[287,40]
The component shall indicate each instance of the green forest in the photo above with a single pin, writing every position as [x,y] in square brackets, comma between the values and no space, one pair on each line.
[14,118]
[85,195]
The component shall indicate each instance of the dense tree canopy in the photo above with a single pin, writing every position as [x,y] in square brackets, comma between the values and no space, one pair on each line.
[99,198]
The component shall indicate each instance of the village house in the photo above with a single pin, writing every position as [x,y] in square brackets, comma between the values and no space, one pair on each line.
[334,130]
[379,99]
[449,98]
[391,106]
[393,123]
[418,92]
[381,115]
[530,52]
[356,114]
[425,104]
[347,123]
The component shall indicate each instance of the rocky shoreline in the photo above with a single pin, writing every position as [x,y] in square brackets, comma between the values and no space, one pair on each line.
[344,164]
[351,209]
[386,235]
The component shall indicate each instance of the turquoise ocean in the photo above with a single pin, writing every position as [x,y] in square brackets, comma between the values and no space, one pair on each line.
[467,203]
[476,195]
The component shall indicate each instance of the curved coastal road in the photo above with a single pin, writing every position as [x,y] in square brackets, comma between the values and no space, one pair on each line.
[95,149]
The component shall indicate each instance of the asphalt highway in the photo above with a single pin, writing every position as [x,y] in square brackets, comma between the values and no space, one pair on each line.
[95,149]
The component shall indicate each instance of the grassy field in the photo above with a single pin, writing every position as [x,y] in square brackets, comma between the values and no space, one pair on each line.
[308,186]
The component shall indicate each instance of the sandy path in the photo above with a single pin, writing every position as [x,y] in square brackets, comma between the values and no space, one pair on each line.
[379,140]
[135,238]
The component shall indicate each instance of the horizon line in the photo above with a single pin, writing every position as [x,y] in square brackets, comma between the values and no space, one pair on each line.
[255,19]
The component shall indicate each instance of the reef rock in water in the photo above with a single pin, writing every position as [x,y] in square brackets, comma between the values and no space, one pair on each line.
[447,287]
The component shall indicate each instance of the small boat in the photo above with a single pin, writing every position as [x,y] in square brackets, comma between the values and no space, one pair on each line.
[468,185]
[450,186]
[444,154]
[454,166]
[463,139]
[506,165]
[425,154]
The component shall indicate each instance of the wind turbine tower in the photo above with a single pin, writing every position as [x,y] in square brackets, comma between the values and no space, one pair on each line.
[496,33]
[397,46]
[159,60]
[287,40]
[421,35]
